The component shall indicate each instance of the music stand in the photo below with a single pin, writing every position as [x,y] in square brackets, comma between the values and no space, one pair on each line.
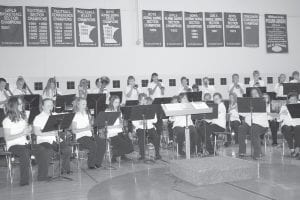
[57,123]
[2,116]
[131,102]
[64,103]
[32,103]
[144,113]
[251,105]
[248,90]
[294,110]
[117,93]
[272,95]
[105,119]
[159,102]
[194,96]
[210,116]
[97,102]
[291,87]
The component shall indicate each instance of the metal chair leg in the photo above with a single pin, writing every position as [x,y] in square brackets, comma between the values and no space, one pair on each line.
[215,145]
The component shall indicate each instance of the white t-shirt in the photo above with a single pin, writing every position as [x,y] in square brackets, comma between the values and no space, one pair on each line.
[278,89]
[15,128]
[3,97]
[210,89]
[261,83]
[157,93]
[134,93]
[258,118]
[285,117]
[149,125]
[183,90]
[40,121]
[82,121]
[294,81]
[116,128]
[180,121]
[51,94]
[221,120]
[19,92]
[237,91]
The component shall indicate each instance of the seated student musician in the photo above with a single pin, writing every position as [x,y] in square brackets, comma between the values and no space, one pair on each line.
[175,99]
[206,88]
[256,81]
[51,90]
[156,89]
[295,77]
[184,86]
[237,87]
[120,141]
[21,87]
[16,131]
[151,132]
[4,94]
[289,127]
[195,88]
[259,127]
[234,117]
[132,90]
[82,127]
[278,89]
[216,125]
[46,143]
[207,97]
[273,124]
[179,124]
[83,86]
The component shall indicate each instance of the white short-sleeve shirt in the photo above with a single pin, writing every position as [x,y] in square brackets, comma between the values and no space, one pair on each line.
[15,128]
[134,94]
[261,83]
[157,93]
[210,89]
[3,97]
[82,121]
[237,91]
[221,120]
[40,121]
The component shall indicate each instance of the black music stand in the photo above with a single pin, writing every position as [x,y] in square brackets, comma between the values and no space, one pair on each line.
[291,87]
[294,110]
[202,116]
[97,102]
[117,93]
[251,105]
[32,103]
[64,103]
[144,113]
[194,96]
[132,102]
[57,123]
[248,90]
[158,102]
[272,95]
[105,119]
[2,116]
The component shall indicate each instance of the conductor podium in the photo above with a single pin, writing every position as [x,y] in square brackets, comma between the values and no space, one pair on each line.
[186,109]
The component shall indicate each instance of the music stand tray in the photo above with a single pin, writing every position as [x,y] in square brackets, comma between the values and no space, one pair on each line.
[194,96]
[131,102]
[291,87]
[294,110]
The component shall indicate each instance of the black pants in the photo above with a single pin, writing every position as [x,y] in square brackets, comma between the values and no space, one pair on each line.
[23,153]
[257,132]
[180,135]
[234,125]
[170,130]
[274,126]
[211,129]
[121,145]
[154,138]
[96,147]
[44,153]
[291,135]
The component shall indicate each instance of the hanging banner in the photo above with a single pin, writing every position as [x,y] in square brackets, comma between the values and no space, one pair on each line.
[110,28]
[152,28]
[11,26]
[86,27]
[37,26]
[251,29]
[62,27]
[214,29]
[193,29]
[233,30]
[173,23]
[276,33]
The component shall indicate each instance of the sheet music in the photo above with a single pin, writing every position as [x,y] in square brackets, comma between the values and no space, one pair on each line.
[175,106]
[200,105]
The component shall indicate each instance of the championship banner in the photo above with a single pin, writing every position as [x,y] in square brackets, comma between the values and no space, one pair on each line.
[276,33]
[214,29]
[251,29]
[62,27]
[173,23]
[152,28]
[193,29]
[86,27]
[110,28]
[37,26]
[11,26]
[233,30]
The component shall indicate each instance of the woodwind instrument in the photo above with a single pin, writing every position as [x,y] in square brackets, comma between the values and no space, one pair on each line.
[8,90]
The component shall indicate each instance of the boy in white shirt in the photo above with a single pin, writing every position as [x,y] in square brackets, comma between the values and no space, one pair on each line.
[184,86]
[206,88]
[256,81]
[132,90]
[237,87]
[156,89]
[278,89]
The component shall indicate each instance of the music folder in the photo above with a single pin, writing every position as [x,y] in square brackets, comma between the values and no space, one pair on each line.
[59,122]
[251,105]
[106,118]
[291,87]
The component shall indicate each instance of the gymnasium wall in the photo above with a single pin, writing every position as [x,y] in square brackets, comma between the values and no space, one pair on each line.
[73,63]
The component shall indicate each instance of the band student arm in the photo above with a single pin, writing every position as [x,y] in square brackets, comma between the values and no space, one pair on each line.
[79,130]
[38,132]
[9,136]
[152,91]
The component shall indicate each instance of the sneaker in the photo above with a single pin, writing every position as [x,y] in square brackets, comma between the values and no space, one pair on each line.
[158,157]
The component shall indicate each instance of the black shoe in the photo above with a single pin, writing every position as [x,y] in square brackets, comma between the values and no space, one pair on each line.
[181,153]
[94,167]
[98,166]
[227,144]
[274,144]
[158,157]
[44,178]
[124,158]
[23,184]
[142,158]
[113,160]
[242,155]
